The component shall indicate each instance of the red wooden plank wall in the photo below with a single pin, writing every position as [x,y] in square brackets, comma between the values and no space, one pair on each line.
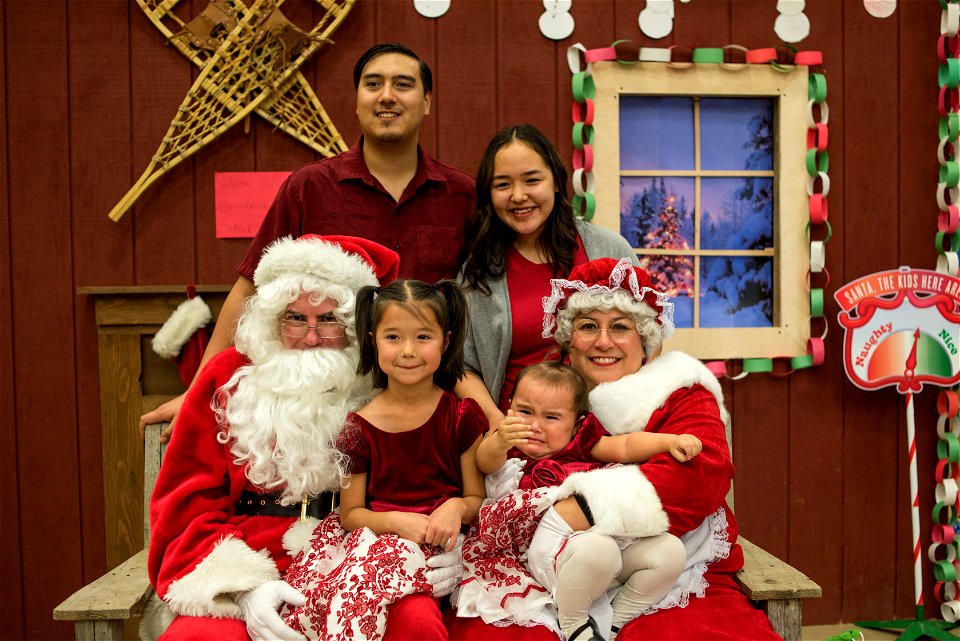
[89,87]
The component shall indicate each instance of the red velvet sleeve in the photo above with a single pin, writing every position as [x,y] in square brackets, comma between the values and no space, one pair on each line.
[284,218]
[587,436]
[471,424]
[691,491]
[353,443]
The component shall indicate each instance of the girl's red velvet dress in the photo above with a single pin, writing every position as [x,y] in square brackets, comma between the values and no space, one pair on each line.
[416,470]
[350,579]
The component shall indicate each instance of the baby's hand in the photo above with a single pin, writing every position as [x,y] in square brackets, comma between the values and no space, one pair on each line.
[513,431]
[685,447]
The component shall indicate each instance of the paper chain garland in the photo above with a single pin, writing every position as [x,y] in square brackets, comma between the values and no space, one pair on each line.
[732,57]
[943,549]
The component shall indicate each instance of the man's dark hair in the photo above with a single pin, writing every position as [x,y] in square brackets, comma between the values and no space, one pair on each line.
[426,76]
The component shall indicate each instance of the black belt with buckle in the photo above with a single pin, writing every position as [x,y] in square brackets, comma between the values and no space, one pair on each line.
[254,504]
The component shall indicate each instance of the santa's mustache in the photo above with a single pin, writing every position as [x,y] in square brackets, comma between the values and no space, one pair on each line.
[307,371]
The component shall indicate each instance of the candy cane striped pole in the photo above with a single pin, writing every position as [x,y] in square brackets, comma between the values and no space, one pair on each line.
[914,509]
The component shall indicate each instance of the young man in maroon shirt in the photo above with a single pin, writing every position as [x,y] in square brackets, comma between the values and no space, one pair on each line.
[385,189]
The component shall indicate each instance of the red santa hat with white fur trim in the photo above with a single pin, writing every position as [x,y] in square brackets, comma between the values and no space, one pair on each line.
[347,260]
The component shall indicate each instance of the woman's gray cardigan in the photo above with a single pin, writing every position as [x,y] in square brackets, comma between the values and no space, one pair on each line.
[490,326]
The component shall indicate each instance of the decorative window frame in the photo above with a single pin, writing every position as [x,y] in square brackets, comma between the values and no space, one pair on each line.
[790,333]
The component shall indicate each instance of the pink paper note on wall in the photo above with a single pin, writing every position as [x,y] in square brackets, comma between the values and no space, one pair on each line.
[242,199]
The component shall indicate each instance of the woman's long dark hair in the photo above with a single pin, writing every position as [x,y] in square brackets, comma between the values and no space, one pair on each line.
[484,256]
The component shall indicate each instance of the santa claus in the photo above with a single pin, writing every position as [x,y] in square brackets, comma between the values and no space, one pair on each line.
[252,463]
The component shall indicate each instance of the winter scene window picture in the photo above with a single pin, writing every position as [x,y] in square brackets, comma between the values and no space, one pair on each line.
[696,201]
[702,169]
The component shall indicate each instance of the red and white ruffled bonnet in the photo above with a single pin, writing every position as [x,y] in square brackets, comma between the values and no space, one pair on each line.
[604,275]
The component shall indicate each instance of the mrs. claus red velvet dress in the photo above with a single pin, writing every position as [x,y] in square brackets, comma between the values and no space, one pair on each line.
[672,394]
[350,579]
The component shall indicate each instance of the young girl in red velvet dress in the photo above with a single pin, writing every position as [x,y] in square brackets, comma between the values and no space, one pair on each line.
[414,483]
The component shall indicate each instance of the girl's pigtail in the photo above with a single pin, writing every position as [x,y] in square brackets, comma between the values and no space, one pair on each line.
[364,322]
[451,365]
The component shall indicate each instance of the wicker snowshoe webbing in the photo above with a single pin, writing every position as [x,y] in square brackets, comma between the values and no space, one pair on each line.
[255,67]
[294,108]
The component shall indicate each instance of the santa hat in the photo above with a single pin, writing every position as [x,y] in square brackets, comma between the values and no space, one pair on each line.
[346,260]
[605,275]
[184,336]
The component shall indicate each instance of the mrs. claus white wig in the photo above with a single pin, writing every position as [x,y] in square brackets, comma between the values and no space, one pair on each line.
[604,284]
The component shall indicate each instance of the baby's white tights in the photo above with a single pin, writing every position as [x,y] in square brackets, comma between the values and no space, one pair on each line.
[579,569]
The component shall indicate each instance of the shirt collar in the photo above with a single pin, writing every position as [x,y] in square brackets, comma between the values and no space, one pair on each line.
[353,167]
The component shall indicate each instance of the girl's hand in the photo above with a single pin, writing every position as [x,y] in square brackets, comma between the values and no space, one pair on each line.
[513,430]
[411,526]
[685,447]
[443,525]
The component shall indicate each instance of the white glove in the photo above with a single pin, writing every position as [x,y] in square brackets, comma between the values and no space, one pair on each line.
[446,570]
[261,607]
[504,480]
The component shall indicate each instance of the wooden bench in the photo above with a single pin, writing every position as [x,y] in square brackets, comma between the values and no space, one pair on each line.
[100,608]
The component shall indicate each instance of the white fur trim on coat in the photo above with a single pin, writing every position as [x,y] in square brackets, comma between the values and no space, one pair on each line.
[626,405]
[325,260]
[299,535]
[622,500]
[232,566]
[186,319]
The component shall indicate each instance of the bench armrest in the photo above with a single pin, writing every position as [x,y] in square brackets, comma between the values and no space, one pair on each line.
[765,577]
[118,594]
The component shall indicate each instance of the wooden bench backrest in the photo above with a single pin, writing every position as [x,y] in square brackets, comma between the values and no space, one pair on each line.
[153,451]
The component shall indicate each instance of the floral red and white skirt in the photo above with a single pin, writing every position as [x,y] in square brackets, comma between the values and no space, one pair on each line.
[350,579]
[497,586]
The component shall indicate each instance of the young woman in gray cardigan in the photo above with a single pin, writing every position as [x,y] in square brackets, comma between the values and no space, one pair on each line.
[524,234]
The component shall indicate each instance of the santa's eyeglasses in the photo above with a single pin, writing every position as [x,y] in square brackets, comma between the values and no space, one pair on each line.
[293,328]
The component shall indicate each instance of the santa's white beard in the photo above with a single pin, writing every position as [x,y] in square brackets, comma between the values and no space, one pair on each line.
[285,414]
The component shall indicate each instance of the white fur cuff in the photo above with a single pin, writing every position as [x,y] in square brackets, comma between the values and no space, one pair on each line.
[299,536]
[622,500]
[186,319]
[231,567]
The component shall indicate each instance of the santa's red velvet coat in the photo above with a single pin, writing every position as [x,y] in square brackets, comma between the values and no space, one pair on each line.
[201,551]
